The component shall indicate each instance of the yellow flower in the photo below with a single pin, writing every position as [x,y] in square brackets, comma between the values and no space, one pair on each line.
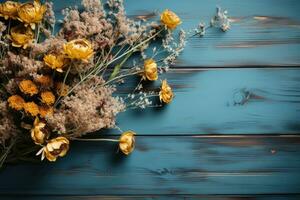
[45,111]
[166,94]
[31,108]
[16,102]
[48,98]
[21,36]
[28,87]
[44,80]
[57,147]
[39,133]
[55,61]
[150,70]
[170,19]
[127,142]
[79,49]
[9,9]
[61,89]
[31,13]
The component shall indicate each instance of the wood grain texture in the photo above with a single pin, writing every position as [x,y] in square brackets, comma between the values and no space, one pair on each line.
[233,101]
[264,32]
[155,197]
[199,165]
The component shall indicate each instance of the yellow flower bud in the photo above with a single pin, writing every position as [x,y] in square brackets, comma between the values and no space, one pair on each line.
[57,147]
[31,108]
[45,111]
[21,36]
[55,61]
[150,70]
[79,49]
[16,102]
[9,9]
[170,19]
[48,98]
[39,133]
[166,94]
[127,142]
[28,87]
[31,13]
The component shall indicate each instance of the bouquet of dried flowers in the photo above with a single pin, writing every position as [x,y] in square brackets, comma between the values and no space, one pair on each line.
[59,78]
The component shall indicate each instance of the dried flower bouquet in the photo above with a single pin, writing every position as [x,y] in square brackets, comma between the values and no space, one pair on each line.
[59,79]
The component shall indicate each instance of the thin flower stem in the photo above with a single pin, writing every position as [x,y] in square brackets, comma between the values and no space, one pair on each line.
[114,57]
[5,154]
[123,46]
[98,64]
[137,46]
[118,67]
[96,69]
[197,33]
[64,81]
[8,30]
[113,60]
[121,76]
[53,29]
[95,140]
[141,79]
[120,50]
[37,34]
[9,26]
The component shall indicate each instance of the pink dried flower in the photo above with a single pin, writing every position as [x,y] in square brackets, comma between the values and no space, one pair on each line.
[8,127]
[89,109]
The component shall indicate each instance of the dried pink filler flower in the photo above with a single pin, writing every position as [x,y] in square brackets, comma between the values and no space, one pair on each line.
[12,86]
[8,128]
[49,14]
[51,44]
[88,110]
[2,28]
[20,65]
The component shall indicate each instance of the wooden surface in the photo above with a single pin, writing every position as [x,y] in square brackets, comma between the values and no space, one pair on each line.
[207,165]
[231,133]
[223,101]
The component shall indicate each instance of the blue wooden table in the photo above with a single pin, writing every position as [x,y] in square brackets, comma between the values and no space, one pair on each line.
[231,132]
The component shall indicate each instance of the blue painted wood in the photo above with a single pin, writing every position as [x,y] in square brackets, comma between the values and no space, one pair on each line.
[264,32]
[154,197]
[161,165]
[233,101]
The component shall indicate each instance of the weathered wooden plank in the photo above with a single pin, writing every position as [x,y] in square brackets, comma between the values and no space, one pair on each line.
[153,197]
[235,101]
[264,32]
[198,165]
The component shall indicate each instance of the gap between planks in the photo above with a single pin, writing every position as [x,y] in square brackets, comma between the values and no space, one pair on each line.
[290,196]
[250,135]
[230,67]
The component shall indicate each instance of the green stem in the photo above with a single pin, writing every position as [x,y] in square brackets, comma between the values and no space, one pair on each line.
[110,62]
[119,66]
[8,30]
[64,81]
[137,46]
[37,34]
[121,76]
